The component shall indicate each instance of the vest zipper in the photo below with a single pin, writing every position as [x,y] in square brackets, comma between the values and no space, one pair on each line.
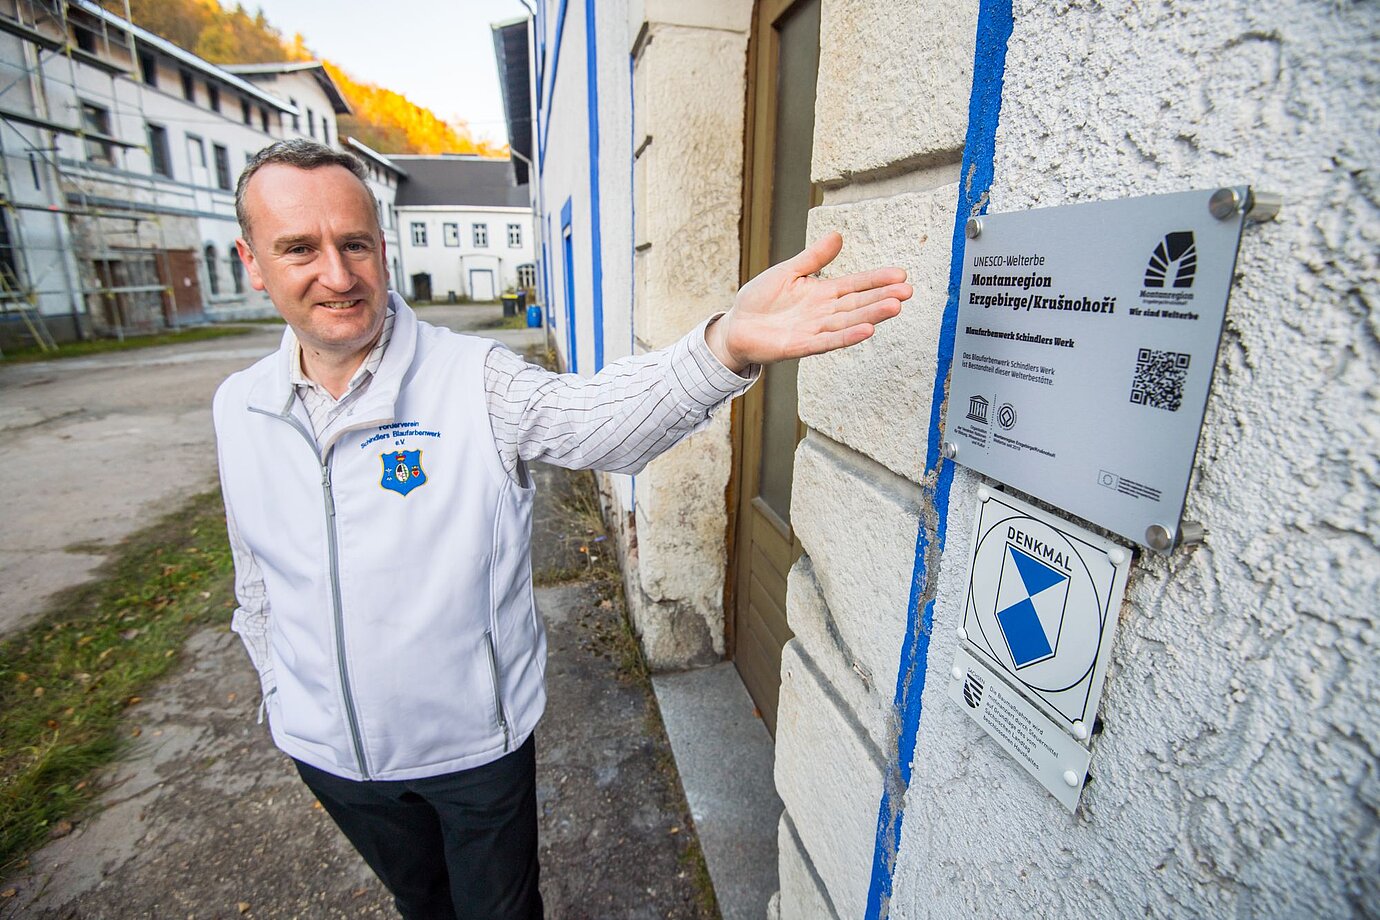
[337,608]
[498,694]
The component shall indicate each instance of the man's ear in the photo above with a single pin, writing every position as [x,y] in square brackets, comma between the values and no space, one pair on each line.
[256,278]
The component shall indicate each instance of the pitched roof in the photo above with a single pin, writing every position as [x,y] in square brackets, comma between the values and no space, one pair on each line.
[317,69]
[222,74]
[510,51]
[463,181]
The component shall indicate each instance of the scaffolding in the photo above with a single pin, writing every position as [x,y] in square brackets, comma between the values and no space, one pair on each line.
[128,283]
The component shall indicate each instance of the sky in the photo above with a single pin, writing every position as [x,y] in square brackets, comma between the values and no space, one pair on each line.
[438,53]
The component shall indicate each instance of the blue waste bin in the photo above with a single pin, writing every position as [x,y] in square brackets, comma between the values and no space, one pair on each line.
[534,316]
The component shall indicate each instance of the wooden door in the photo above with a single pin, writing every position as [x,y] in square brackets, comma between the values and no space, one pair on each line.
[783,65]
[178,270]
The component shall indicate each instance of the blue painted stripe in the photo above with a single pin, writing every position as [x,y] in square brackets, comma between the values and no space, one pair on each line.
[596,247]
[984,109]
[544,125]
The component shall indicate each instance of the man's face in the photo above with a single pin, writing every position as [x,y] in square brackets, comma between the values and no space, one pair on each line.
[315,247]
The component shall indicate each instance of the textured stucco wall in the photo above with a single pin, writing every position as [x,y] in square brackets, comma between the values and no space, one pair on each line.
[1237,772]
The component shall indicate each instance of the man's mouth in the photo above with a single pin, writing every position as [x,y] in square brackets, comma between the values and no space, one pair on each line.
[338,304]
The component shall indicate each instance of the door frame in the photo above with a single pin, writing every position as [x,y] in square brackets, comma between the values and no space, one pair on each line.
[754,234]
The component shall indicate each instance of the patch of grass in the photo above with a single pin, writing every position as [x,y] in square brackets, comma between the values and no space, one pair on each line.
[99,346]
[506,322]
[65,680]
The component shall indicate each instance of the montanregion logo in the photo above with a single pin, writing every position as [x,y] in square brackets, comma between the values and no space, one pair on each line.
[1174,261]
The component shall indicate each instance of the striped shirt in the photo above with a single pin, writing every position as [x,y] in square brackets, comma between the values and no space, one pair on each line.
[617,421]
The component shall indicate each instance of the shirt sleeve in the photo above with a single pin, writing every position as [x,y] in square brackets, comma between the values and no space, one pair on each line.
[617,420]
[250,621]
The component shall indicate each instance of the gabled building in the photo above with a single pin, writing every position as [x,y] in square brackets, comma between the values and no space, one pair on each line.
[466,229]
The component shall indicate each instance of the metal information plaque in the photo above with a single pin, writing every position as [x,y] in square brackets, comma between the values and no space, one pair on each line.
[1039,617]
[1086,341]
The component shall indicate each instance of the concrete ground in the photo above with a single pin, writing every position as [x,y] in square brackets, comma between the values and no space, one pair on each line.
[205,819]
[132,428]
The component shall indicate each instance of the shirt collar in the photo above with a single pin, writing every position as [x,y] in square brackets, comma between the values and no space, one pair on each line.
[365,371]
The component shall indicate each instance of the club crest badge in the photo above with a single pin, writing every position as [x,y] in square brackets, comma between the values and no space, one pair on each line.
[402,470]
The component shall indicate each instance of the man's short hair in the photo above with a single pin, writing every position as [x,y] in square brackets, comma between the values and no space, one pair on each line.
[303,154]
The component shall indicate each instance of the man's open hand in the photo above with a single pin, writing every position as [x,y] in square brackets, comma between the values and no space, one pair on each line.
[785,312]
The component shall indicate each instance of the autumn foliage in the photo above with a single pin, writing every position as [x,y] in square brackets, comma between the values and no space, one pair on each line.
[385,120]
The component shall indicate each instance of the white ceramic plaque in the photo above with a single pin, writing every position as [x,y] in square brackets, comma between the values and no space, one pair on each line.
[1086,341]
[1040,615]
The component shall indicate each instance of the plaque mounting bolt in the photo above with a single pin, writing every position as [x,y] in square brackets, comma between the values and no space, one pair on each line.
[973,228]
[983,494]
[957,672]
[950,450]
[1071,778]
[1080,731]
[962,634]
[1224,203]
[1263,206]
[1191,533]
[1117,555]
[1159,538]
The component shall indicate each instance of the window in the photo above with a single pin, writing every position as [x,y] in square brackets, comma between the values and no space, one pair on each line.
[86,39]
[236,271]
[188,86]
[325,131]
[527,276]
[213,97]
[311,122]
[296,116]
[96,119]
[418,234]
[148,66]
[481,235]
[515,236]
[159,156]
[263,119]
[451,233]
[196,151]
[212,277]
[222,167]
[246,115]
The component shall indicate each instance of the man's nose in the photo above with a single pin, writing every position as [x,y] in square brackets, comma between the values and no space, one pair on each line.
[335,271]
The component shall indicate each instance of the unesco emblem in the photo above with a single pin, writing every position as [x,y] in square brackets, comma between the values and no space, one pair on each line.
[1006,416]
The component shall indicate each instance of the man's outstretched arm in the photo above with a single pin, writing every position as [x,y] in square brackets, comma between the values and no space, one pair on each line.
[638,407]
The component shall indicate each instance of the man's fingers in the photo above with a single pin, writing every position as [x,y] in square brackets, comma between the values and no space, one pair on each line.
[850,302]
[869,314]
[829,341]
[817,255]
[862,281]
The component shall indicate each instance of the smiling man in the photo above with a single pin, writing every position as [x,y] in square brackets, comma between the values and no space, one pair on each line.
[376,490]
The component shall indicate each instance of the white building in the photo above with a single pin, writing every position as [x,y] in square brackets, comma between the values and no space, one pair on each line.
[815,537]
[466,229]
[120,154]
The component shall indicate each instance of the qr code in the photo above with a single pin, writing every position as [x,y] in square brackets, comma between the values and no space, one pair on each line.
[1160,377]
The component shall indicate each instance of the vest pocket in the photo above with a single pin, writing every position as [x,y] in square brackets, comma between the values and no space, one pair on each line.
[497,685]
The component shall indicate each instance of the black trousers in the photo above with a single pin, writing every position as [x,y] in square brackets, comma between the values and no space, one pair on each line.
[452,847]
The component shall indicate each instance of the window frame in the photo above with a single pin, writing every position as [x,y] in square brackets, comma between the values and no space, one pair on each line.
[480,235]
[418,234]
[221,154]
[96,118]
[450,233]
[159,150]
[515,229]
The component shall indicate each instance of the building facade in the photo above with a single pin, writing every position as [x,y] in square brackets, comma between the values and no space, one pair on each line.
[465,229]
[816,535]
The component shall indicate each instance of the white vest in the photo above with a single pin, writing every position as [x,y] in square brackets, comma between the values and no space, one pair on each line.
[404,637]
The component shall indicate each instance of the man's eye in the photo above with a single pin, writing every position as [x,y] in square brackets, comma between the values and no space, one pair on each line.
[298,251]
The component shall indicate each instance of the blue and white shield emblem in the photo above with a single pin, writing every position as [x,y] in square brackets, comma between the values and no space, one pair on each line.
[402,470]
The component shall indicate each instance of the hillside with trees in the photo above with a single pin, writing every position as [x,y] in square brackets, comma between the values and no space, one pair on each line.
[385,120]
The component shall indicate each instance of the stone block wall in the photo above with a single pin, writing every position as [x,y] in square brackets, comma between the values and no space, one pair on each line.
[689,73]
[1237,773]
